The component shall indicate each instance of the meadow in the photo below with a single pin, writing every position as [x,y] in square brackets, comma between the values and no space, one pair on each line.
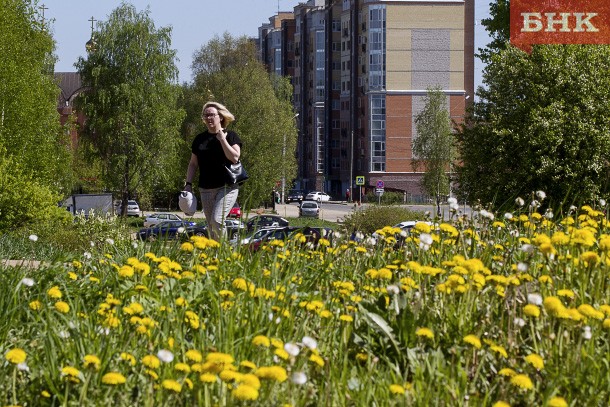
[492,310]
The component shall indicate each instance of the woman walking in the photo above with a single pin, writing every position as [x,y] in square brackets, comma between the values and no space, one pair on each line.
[212,151]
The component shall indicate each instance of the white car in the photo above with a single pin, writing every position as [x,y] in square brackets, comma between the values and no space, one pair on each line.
[157,218]
[133,209]
[317,196]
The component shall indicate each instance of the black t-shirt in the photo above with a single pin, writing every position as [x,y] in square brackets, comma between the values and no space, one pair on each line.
[212,159]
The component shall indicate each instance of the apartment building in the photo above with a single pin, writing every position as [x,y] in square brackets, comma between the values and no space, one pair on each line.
[360,72]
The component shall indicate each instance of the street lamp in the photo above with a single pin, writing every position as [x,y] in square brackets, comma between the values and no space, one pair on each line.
[284,165]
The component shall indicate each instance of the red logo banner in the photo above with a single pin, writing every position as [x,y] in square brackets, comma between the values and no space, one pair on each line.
[559,22]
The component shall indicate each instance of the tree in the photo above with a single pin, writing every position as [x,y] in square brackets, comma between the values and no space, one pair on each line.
[541,123]
[131,102]
[226,70]
[498,27]
[433,148]
[29,123]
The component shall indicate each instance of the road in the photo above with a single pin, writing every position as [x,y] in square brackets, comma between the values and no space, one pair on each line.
[336,211]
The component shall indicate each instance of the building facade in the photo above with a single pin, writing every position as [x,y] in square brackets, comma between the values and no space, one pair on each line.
[360,72]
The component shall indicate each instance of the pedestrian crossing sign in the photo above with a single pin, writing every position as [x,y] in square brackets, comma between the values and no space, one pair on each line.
[360,180]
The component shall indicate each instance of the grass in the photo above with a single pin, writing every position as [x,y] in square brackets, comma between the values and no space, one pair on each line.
[479,311]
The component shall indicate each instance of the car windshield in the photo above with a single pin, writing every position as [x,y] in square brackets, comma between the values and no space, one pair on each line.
[309,205]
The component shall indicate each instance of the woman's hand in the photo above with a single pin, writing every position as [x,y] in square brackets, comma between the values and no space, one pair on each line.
[221,135]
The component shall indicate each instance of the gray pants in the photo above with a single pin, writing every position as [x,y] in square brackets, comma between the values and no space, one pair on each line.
[216,203]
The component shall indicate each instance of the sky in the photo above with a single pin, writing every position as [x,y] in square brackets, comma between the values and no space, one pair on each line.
[193,22]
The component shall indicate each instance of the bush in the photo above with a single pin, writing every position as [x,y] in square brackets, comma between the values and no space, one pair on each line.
[371,218]
[24,201]
[83,233]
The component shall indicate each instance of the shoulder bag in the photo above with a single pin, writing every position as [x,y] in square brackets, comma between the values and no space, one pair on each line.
[235,173]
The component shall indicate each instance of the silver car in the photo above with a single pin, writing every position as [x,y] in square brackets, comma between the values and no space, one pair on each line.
[309,209]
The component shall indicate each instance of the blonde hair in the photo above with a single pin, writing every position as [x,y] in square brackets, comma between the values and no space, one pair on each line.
[226,117]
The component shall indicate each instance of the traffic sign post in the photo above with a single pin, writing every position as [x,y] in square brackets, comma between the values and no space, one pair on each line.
[379,192]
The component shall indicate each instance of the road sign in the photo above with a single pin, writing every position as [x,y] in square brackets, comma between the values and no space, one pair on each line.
[379,191]
[380,184]
[360,180]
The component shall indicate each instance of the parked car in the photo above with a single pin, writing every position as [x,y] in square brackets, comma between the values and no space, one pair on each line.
[133,209]
[294,195]
[157,218]
[261,221]
[235,211]
[172,229]
[261,236]
[309,209]
[317,196]
[234,228]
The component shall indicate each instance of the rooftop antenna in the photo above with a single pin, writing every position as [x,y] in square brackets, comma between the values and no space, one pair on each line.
[278,7]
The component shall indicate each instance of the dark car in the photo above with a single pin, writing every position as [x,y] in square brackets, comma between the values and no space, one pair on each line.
[266,235]
[172,229]
[295,195]
[265,221]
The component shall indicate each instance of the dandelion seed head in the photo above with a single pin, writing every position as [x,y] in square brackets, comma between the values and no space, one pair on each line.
[299,378]
[33,238]
[310,342]
[27,281]
[519,322]
[292,349]
[165,356]
[534,298]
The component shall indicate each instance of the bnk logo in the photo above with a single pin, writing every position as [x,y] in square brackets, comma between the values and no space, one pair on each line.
[559,22]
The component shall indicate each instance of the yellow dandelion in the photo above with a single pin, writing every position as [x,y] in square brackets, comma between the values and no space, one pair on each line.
[531,310]
[558,402]
[425,332]
[588,311]
[35,305]
[473,340]
[171,385]
[522,381]
[194,355]
[151,361]
[208,378]
[261,340]
[249,379]
[219,358]
[126,271]
[606,323]
[16,356]
[91,361]
[71,373]
[346,318]
[397,389]
[501,404]
[276,373]
[535,360]
[62,307]
[129,358]
[507,372]
[54,292]
[317,359]
[182,367]
[499,350]
[113,378]
[245,392]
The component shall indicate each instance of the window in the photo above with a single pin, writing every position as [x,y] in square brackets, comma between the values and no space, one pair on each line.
[377,132]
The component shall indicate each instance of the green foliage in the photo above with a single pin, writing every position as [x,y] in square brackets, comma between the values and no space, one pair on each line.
[388,198]
[542,123]
[226,70]
[132,102]
[433,148]
[83,233]
[370,218]
[29,122]
[24,201]
[498,28]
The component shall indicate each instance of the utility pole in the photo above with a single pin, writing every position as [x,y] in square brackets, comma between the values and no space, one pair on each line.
[351,163]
